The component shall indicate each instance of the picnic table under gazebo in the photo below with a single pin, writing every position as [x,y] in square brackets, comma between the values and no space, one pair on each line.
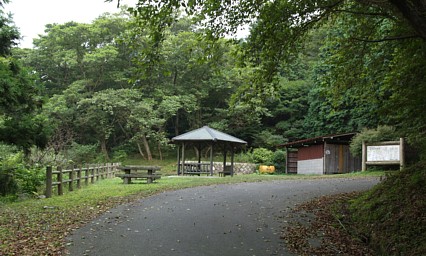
[214,140]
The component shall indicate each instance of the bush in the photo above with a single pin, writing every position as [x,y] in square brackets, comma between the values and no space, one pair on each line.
[8,184]
[45,157]
[244,157]
[279,160]
[83,153]
[16,177]
[119,156]
[262,156]
[382,133]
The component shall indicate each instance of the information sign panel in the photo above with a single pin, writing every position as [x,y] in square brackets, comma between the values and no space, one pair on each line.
[383,153]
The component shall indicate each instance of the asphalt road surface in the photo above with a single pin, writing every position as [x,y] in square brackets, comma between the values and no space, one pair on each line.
[238,219]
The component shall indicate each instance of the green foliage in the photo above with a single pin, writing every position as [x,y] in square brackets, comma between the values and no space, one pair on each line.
[75,51]
[390,218]
[262,156]
[9,34]
[381,133]
[119,156]
[16,177]
[279,161]
[369,80]
[26,131]
[81,154]
[19,100]
[8,183]
[288,110]
[371,57]
[265,138]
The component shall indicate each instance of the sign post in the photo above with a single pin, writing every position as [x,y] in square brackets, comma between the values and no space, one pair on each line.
[383,153]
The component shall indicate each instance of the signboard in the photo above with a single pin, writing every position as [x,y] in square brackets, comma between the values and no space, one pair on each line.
[383,153]
[387,152]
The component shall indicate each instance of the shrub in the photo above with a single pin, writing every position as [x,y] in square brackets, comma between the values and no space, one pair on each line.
[8,184]
[244,157]
[279,160]
[83,153]
[16,177]
[119,156]
[382,133]
[263,156]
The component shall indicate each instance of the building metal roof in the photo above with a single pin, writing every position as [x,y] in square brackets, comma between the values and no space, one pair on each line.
[206,133]
[336,138]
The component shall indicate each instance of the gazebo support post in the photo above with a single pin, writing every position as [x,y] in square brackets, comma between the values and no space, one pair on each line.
[211,159]
[199,154]
[232,161]
[183,158]
[178,160]
[224,158]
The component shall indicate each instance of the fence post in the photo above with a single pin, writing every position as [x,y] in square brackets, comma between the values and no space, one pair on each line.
[86,174]
[92,179]
[48,182]
[60,190]
[102,171]
[79,176]
[71,178]
[97,171]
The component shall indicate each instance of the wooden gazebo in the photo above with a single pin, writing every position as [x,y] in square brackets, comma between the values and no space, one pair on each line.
[205,137]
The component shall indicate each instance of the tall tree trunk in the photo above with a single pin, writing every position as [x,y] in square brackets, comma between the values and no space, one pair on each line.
[140,150]
[104,149]
[147,149]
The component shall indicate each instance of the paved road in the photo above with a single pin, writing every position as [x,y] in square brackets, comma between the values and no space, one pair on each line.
[239,219]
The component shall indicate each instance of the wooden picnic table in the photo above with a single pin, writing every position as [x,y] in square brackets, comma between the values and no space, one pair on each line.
[139,172]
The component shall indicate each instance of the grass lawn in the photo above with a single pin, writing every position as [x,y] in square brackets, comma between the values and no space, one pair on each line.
[39,226]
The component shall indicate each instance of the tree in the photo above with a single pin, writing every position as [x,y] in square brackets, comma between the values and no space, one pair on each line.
[279,24]
[19,123]
[376,37]
[75,51]
[105,110]
[185,66]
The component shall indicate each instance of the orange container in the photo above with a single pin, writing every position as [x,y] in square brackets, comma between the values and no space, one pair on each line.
[266,169]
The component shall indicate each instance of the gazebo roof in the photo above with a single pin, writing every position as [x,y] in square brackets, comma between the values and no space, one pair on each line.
[206,133]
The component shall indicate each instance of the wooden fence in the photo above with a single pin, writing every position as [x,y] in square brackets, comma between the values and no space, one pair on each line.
[89,173]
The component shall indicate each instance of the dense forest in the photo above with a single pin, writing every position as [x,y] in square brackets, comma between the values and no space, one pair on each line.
[126,83]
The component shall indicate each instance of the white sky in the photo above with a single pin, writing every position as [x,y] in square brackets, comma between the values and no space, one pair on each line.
[31,16]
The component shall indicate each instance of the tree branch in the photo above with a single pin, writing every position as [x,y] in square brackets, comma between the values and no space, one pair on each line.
[387,39]
[387,15]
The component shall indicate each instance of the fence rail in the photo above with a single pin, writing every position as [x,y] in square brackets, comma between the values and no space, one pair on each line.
[76,175]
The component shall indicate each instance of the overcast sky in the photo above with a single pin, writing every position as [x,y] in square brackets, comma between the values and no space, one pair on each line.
[31,16]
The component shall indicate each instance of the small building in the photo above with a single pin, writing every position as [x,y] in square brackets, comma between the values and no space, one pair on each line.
[321,155]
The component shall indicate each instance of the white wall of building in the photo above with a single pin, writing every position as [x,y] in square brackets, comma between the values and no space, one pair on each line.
[312,166]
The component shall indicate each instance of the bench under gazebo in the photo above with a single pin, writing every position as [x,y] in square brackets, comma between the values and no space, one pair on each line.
[206,137]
